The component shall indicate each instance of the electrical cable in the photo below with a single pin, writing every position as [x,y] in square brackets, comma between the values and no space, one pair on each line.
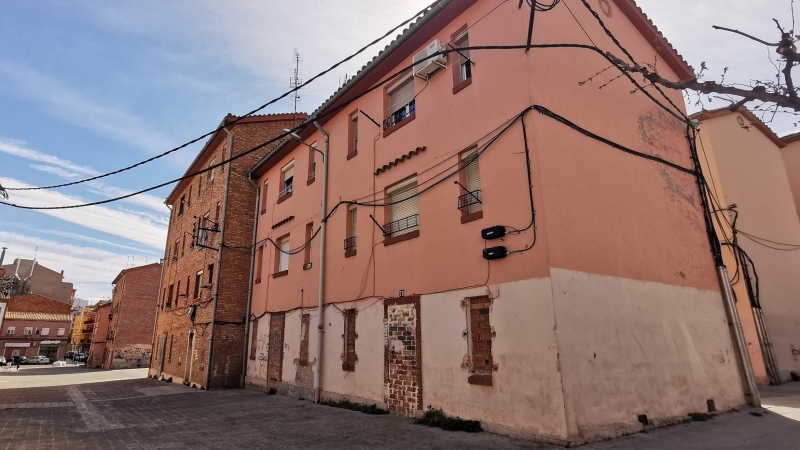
[239,118]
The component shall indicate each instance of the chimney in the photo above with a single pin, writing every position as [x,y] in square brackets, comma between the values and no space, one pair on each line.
[62,274]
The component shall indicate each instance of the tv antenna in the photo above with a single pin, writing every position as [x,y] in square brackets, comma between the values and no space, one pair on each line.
[296,80]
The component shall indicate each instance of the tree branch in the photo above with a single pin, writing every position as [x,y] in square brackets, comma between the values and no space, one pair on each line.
[717,27]
[759,93]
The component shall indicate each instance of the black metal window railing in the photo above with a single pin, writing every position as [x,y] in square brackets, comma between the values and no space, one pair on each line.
[399,225]
[400,115]
[350,243]
[469,199]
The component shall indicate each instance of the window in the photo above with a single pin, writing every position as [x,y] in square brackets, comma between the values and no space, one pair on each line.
[27,331]
[189,200]
[283,255]
[183,245]
[171,293]
[350,229]
[210,178]
[163,298]
[470,201]
[171,339]
[211,274]
[259,263]
[202,233]
[199,183]
[45,331]
[404,209]
[177,295]
[312,163]
[175,249]
[461,62]
[480,341]
[187,286]
[352,135]
[307,249]
[61,331]
[181,205]
[264,198]
[11,330]
[287,181]
[350,358]
[401,102]
[198,278]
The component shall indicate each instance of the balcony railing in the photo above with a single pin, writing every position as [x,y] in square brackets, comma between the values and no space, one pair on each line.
[400,115]
[312,175]
[406,223]
[469,199]
[350,243]
[286,191]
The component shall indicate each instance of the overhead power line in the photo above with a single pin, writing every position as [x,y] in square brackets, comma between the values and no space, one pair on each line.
[294,89]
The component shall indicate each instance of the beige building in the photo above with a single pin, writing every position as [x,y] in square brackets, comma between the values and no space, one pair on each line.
[756,220]
[30,277]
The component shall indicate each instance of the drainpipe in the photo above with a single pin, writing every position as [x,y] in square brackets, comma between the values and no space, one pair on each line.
[741,344]
[250,283]
[33,266]
[16,269]
[323,222]
[219,257]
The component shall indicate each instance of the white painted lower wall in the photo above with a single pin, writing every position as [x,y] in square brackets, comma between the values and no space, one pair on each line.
[579,356]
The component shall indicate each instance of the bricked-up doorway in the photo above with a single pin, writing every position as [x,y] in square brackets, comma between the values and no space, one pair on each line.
[275,356]
[403,355]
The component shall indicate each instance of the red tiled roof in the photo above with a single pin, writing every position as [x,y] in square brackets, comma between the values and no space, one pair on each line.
[46,317]
[397,161]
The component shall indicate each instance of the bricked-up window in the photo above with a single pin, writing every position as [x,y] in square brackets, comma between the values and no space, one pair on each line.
[198,278]
[11,330]
[253,340]
[211,274]
[307,250]
[183,245]
[264,197]
[350,358]
[171,292]
[61,331]
[164,298]
[480,341]
[404,209]
[177,295]
[45,331]
[181,205]
[259,263]
[189,200]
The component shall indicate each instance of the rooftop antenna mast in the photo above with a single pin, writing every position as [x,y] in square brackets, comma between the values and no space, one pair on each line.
[296,81]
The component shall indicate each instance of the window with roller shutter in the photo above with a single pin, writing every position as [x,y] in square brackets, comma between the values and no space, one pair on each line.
[404,208]
[470,201]
[402,105]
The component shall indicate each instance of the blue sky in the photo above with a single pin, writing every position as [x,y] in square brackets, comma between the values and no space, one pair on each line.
[89,86]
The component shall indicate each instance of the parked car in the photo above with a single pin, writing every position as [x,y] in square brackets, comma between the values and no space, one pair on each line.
[70,355]
[80,357]
[2,360]
[38,360]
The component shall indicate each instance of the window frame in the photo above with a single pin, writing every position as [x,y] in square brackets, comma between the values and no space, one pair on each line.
[259,264]
[351,230]
[467,215]
[10,331]
[411,112]
[352,134]
[307,252]
[312,164]
[198,278]
[280,269]
[393,238]
[45,331]
[264,191]
[454,59]
[286,191]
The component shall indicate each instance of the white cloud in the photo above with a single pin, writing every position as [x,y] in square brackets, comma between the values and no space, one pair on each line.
[151,254]
[90,269]
[71,106]
[128,225]
[68,170]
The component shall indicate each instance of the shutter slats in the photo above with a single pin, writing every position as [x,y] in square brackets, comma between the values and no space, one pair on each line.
[402,95]
[406,208]
[473,174]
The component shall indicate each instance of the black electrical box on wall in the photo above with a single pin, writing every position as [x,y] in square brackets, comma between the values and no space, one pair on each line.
[495,252]
[494,232]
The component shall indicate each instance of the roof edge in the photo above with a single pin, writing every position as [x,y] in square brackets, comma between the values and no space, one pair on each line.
[761,126]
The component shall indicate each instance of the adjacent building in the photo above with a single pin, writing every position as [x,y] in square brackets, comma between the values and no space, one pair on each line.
[744,166]
[125,332]
[202,307]
[500,238]
[82,329]
[35,325]
[30,277]
[98,352]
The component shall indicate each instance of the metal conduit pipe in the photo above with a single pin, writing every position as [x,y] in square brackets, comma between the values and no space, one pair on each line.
[323,222]
[243,380]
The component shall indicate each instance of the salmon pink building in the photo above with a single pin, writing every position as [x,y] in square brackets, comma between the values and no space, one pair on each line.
[492,234]
[744,163]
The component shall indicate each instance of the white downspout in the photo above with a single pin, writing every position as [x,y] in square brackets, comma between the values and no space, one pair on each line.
[323,222]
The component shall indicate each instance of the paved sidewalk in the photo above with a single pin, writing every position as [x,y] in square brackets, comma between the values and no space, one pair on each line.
[122,409]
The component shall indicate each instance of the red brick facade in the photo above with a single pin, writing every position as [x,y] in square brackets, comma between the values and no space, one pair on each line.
[403,377]
[36,303]
[132,317]
[186,306]
[480,331]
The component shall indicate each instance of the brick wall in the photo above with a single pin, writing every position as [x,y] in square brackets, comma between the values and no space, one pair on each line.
[37,303]
[277,323]
[134,312]
[403,381]
[349,357]
[234,270]
[305,374]
[480,330]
